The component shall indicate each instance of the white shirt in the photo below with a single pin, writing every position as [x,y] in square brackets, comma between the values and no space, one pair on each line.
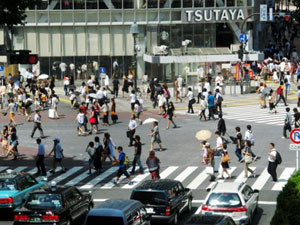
[37,118]
[54,102]
[249,136]
[199,87]
[132,124]
[80,118]
[90,83]
[273,153]
[219,80]
[180,82]
[132,98]
[106,80]
[288,77]
[207,86]
[205,94]
[190,94]
[99,94]
[63,67]
[72,66]
[28,75]
[219,143]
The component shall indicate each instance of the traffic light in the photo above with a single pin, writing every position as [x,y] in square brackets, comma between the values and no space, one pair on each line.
[22,57]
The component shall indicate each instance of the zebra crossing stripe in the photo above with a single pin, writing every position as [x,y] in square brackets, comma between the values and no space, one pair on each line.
[138,179]
[286,174]
[77,179]
[32,171]
[183,175]
[110,185]
[198,180]
[241,178]
[67,174]
[167,172]
[2,168]
[230,171]
[19,169]
[261,180]
[98,179]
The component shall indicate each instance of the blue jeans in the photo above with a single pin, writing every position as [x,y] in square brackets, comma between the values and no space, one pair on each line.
[288,87]
[137,160]
[238,153]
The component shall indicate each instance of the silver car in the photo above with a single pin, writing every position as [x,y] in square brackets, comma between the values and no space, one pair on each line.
[236,200]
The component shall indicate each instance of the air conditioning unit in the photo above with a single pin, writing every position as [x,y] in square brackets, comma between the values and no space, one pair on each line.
[160,50]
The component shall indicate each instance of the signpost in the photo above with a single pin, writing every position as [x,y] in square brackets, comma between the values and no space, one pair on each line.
[263,12]
[295,138]
[243,38]
[1,71]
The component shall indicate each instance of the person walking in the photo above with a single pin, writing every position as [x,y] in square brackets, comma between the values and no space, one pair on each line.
[249,136]
[199,88]
[37,124]
[122,167]
[287,122]
[116,85]
[272,166]
[131,130]
[272,99]
[137,155]
[211,106]
[109,147]
[54,103]
[4,143]
[153,164]
[91,152]
[11,108]
[219,100]
[261,92]
[203,107]
[248,159]
[239,144]
[133,99]
[58,156]
[219,142]
[221,125]
[225,162]
[98,155]
[171,114]
[280,93]
[155,136]
[40,164]
[93,119]
[192,101]
[296,119]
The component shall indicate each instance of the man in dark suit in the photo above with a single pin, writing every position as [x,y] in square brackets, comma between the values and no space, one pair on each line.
[221,125]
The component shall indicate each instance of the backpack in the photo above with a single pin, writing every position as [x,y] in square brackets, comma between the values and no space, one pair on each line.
[127,161]
[278,159]
[279,90]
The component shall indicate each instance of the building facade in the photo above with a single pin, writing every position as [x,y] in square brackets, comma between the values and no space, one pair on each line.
[80,36]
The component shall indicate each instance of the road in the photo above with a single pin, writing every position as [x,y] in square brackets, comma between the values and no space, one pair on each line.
[181,158]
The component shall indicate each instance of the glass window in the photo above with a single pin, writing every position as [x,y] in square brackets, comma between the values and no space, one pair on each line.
[198,3]
[176,36]
[54,17]
[176,4]
[230,2]
[164,35]
[127,65]
[42,5]
[128,4]
[30,180]
[220,3]
[102,4]
[94,220]
[22,183]
[57,5]
[67,17]
[44,65]
[42,201]
[230,200]
[116,4]
[79,4]
[209,3]
[80,64]
[199,35]
[241,2]
[247,193]
[249,3]
[187,4]
[188,33]
[92,4]
[152,4]
[72,197]
[164,4]
[152,198]
[105,61]
[7,185]
[67,4]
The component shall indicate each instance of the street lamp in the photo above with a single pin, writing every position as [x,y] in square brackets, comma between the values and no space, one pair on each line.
[134,30]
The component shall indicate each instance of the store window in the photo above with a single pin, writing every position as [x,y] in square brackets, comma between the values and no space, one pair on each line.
[116,4]
[92,4]
[127,65]
[67,4]
[188,33]
[230,3]
[209,3]
[176,4]
[164,4]
[187,4]
[44,65]
[102,4]
[176,36]
[152,4]
[128,4]
[57,5]
[164,35]
[105,61]
[79,4]
[199,35]
[42,5]
[81,67]
[198,3]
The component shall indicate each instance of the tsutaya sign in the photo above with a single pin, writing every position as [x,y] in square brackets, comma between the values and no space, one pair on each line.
[219,14]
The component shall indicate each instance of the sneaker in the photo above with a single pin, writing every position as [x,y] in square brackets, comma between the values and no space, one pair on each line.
[114,182]
[242,160]
[130,183]
[255,158]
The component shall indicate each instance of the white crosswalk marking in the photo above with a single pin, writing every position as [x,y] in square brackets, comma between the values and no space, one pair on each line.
[138,179]
[67,174]
[241,178]
[183,175]
[230,171]
[261,180]
[2,168]
[99,178]
[167,172]
[32,171]
[286,174]
[110,185]
[19,169]
[198,180]
[77,179]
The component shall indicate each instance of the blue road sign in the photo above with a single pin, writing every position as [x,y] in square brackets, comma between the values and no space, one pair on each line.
[1,68]
[243,38]
[102,70]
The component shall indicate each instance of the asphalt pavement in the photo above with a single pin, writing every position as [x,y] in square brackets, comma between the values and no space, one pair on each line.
[181,158]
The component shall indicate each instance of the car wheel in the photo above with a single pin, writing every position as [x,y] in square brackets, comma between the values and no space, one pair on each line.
[189,208]
[175,221]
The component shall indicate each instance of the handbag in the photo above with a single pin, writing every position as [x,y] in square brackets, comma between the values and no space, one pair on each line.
[165,115]
[209,170]
[225,158]
[248,159]
[92,120]
[128,133]
[193,101]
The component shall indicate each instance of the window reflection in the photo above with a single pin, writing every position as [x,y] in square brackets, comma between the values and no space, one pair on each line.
[79,4]
[91,4]
[230,2]
[176,4]
[209,3]
[128,4]
[102,4]
[117,4]
[198,3]
[152,3]
[43,5]
[67,4]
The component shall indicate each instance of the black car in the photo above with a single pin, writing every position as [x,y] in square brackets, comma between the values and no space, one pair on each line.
[210,220]
[164,199]
[59,205]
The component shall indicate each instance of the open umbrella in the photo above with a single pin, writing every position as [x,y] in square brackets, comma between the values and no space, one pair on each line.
[149,120]
[43,77]
[203,135]
[92,95]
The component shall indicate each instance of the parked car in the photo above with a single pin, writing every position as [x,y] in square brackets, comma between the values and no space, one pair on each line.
[118,212]
[15,187]
[164,199]
[210,220]
[59,205]
[236,200]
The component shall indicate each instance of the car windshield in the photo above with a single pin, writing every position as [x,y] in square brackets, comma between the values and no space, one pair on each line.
[150,198]
[44,201]
[229,200]
[7,185]
[104,220]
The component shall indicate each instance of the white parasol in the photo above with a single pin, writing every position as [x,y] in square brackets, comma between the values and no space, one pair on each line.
[150,120]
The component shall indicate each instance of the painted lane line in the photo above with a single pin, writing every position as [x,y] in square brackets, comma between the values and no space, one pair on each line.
[138,179]
[198,180]
[230,171]
[20,169]
[77,179]
[183,175]
[286,174]
[167,172]
[241,178]
[98,179]
[261,180]
[110,185]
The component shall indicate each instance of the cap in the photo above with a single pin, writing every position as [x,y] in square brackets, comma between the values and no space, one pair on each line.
[56,139]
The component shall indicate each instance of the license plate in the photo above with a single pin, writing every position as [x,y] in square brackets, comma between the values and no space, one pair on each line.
[150,210]
[35,219]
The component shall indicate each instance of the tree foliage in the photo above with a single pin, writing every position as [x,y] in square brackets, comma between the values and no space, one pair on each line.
[12,12]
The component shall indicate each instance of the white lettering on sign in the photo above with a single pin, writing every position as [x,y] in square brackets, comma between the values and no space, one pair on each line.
[214,15]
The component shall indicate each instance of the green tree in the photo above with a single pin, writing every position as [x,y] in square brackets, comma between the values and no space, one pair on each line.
[12,12]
